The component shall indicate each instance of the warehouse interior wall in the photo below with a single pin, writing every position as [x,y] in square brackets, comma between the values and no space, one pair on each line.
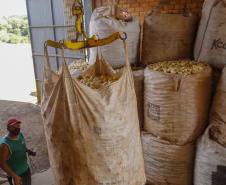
[139,8]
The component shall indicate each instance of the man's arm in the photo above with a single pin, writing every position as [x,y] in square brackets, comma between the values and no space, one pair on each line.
[4,154]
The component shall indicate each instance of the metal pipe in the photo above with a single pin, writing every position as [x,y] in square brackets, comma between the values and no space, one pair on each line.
[38,93]
[53,26]
[57,55]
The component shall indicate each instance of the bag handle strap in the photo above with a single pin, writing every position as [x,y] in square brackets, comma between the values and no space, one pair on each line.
[64,66]
[47,64]
[100,53]
[73,98]
[126,51]
[127,66]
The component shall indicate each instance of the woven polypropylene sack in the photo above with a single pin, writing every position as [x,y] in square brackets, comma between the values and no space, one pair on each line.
[217,113]
[168,37]
[210,162]
[166,163]
[105,27]
[92,134]
[210,44]
[138,77]
[176,106]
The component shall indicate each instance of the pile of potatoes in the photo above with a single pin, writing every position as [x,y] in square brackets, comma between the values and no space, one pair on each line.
[96,82]
[81,66]
[178,67]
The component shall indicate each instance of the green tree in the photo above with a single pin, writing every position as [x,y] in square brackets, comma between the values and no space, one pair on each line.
[25,39]
[15,23]
[24,27]
[4,37]
[14,39]
[14,29]
[4,25]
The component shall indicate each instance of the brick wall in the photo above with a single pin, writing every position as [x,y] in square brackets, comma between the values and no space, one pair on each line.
[140,7]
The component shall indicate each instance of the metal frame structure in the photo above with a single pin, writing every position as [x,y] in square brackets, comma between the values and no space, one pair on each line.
[52,20]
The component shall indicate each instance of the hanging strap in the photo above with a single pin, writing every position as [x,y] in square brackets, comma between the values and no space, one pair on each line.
[97,57]
[128,67]
[101,55]
[126,53]
[47,64]
[64,66]
[65,69]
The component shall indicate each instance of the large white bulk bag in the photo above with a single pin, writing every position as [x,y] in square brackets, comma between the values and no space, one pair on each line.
[218,112]
[168,37]
[210,45]
[176,106]
[138,77]
[93,135]
[210,162]
[104,27]
[166,163]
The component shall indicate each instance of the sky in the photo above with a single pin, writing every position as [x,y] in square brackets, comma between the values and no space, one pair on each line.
[12,7]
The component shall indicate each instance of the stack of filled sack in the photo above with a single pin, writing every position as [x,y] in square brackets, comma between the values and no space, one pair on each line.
[210,162]
[176,104]
[177,95]
[210,47]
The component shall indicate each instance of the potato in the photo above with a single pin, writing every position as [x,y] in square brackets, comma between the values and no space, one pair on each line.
[178,67]
[96,82]
[81,66]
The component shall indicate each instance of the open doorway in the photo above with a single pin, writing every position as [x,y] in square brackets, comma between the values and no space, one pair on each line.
[17,81]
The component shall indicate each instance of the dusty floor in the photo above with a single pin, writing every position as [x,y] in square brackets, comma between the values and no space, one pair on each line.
[32,127]
[44,178]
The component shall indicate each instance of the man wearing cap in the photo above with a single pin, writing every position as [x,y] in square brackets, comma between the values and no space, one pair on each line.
[13,158]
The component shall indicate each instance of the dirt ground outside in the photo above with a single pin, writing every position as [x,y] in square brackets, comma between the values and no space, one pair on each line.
[32,128]
[17,100]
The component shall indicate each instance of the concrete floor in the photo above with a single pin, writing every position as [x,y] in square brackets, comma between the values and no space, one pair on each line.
[44,178]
